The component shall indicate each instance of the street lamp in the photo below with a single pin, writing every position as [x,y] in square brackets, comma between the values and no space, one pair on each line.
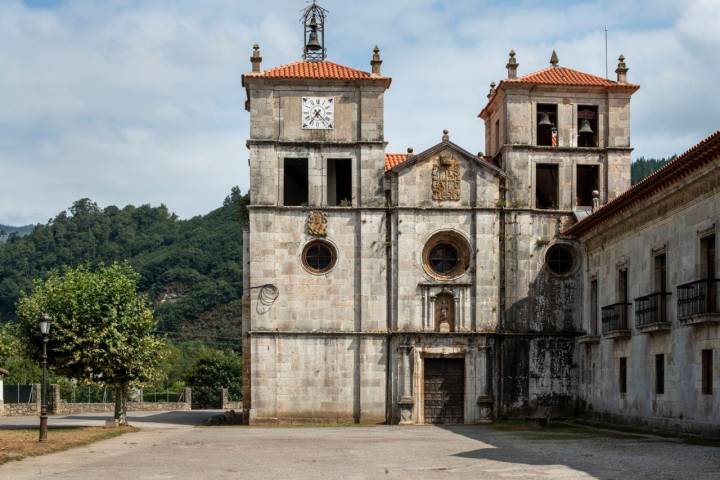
[44,325]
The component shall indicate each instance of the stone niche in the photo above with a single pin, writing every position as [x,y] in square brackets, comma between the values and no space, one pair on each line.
[445,307]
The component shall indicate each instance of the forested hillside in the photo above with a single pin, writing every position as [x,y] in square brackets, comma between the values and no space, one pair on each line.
[642,167]
[191,269]
[6,231]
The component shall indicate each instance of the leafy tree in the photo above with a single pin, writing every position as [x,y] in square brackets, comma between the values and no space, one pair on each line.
[188,268]
[214,371]
[102,329]
[9,343]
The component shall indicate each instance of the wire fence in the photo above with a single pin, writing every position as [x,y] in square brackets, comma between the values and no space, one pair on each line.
[101,394]
[19,394]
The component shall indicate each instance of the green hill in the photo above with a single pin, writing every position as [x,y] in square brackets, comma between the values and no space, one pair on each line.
[7,230]
[191,269]
[642,167]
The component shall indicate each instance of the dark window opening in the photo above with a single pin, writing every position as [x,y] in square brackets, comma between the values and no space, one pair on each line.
[546,186]
[660,373]
[339,182]
[587,181]
[295,182]
[661,285]
[560,259]
[708,271]
[623,375]
[497,136]
[319,256]
[587,126]
[444,259]
[707,372]
[622,296]
[547,125]
[594,307]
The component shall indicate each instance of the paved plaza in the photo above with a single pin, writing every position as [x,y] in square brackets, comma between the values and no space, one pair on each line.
[169,446]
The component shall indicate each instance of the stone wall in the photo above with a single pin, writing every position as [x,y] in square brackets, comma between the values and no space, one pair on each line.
[672,222]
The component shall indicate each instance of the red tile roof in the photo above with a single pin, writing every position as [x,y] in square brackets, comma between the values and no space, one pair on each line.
[561,76]
[317,70]
[392,160]
[670,173]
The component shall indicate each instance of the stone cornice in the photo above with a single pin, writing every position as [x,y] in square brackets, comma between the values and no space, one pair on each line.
[313,143]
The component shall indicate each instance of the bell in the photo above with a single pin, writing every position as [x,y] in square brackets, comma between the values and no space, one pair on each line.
[585,126]
[544,120]
[313,42]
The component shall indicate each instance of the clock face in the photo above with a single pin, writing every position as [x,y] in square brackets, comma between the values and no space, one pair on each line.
[318,113]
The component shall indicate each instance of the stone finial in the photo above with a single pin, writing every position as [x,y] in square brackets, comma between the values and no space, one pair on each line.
[492,89]
[621,70]
[595,200]
[512,65]
[554,60]
[376,62]
[410,151]
[256,59]
[446,136]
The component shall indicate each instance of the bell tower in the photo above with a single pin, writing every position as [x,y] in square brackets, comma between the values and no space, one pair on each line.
[313,20]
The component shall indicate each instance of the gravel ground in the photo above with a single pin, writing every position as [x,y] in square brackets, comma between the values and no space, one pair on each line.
[382,452]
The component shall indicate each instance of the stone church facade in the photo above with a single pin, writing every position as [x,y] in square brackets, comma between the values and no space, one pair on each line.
[424,287]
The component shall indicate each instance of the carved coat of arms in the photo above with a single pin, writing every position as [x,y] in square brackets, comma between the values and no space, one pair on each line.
[446,179]
[317,224]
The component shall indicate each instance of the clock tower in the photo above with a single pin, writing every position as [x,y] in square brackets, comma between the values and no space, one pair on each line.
[315,307]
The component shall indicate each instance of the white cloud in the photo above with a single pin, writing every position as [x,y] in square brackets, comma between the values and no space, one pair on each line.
[130,101]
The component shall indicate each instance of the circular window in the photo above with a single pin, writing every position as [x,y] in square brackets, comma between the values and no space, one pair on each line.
[319,256]
[446,255]
[444,258]
[560,259]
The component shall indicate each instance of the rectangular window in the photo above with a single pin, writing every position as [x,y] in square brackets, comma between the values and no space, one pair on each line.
[546,186]
[622,295]
[295,182]
[587,122]
[497,136]
[587,180]
[339,182]
[707,372]
[660,373]
[708,271]
[660,266]
[546,122]
[594,307]
[623,375]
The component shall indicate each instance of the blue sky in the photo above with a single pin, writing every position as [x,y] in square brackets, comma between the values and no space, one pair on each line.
[130,101]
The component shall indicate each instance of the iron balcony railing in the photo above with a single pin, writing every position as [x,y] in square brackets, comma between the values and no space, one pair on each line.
[651,309]
[615,317]
[697,298]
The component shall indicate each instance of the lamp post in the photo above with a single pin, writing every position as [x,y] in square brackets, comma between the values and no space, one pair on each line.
[44,325]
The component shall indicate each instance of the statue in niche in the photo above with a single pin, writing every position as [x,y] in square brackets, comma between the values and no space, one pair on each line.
[445,313]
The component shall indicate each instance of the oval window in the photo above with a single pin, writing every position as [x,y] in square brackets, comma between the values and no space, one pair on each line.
[319,256]
[560,259]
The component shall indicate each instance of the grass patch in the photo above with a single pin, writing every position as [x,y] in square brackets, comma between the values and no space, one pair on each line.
[16,444]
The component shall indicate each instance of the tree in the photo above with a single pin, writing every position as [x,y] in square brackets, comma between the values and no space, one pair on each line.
[9,343]
[213,371]
[102,328]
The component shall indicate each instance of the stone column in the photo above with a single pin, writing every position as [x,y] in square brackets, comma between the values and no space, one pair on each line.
[431,315]
[54,399]
[37,392]
[224,395]
[406,400]
[459,327]
[187,393]
[484,400]
[2,401]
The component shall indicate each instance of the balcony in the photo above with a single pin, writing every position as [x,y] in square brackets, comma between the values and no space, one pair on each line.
[698,302]
[651,312]
[615,320]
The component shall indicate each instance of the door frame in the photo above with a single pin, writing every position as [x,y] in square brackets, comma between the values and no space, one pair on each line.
[420,355]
